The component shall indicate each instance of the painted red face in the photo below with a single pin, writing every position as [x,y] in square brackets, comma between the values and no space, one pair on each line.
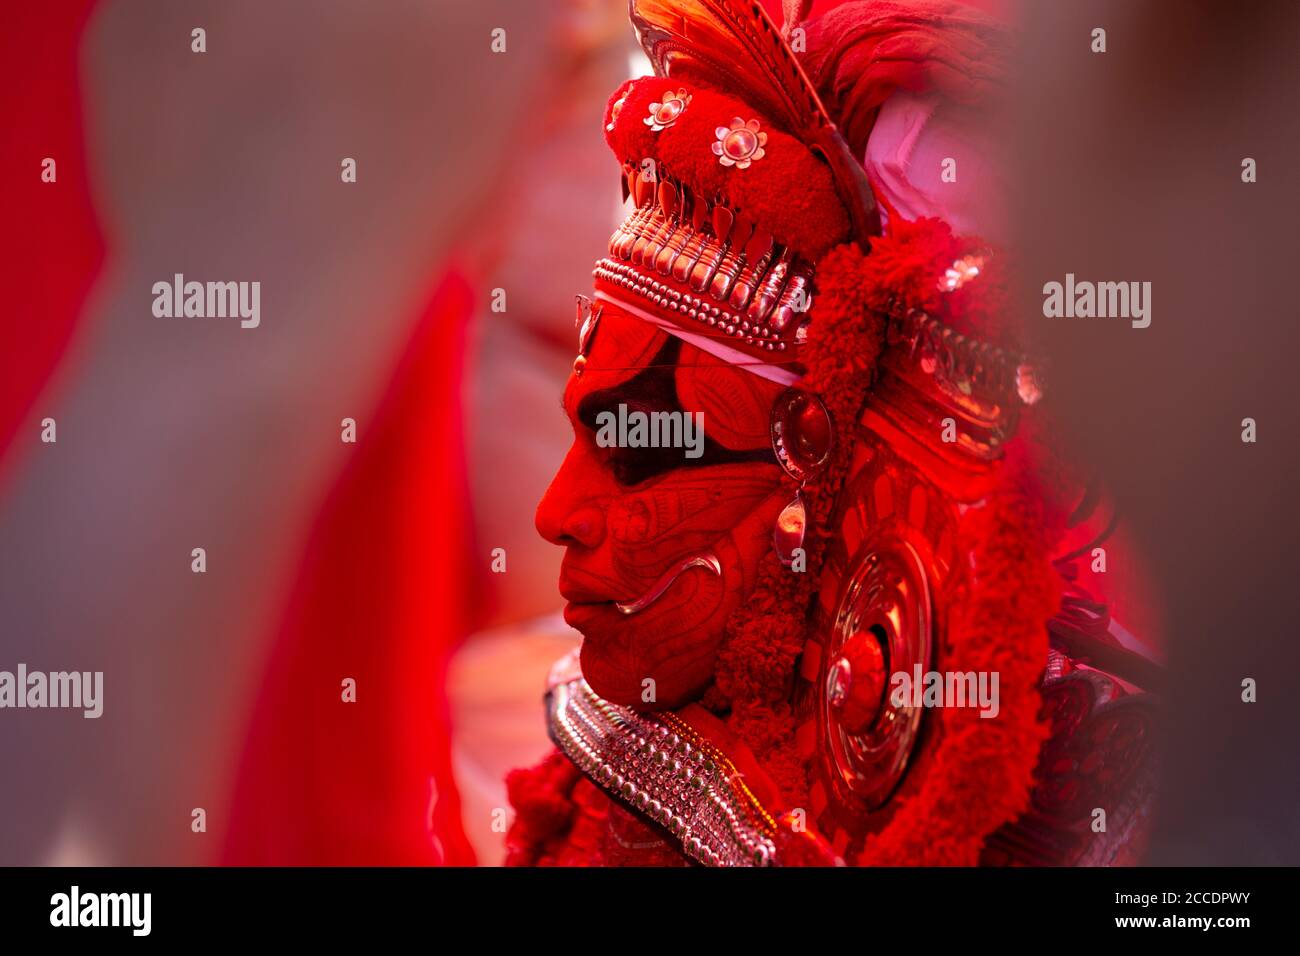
[628,517]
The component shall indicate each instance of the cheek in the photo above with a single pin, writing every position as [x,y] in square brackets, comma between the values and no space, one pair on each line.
[685,514]
[675,641]
[737,405]
[629,520]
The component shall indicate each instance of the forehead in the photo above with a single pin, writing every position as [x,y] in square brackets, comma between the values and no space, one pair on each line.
[736,403]
[621,346]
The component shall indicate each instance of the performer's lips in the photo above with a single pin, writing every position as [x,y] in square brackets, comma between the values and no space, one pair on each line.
[582,605]
[579,595]
[579,613]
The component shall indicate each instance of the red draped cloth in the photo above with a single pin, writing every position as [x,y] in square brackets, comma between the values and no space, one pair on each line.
[382,597]
[383,589]
[51,247]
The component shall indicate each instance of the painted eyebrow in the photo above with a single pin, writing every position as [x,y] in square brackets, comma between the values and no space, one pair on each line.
[648,389]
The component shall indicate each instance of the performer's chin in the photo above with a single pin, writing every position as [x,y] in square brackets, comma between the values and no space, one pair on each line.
[614,669]
[607,658]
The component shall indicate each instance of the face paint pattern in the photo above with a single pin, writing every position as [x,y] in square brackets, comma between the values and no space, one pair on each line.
[629,518]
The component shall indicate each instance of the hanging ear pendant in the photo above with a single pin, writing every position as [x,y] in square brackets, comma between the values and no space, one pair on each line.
[791,524]
[585,323]
[802,438]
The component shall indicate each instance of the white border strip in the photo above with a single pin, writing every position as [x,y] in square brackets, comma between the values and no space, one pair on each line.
[773,373]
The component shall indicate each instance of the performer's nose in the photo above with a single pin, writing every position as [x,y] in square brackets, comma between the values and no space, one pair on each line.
[586,526]
[566,516]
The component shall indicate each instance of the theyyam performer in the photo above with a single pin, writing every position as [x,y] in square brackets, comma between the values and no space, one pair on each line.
[860,623]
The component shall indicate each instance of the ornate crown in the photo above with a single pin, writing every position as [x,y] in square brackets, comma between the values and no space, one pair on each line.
[734,199]
[717,242]
[741,186]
